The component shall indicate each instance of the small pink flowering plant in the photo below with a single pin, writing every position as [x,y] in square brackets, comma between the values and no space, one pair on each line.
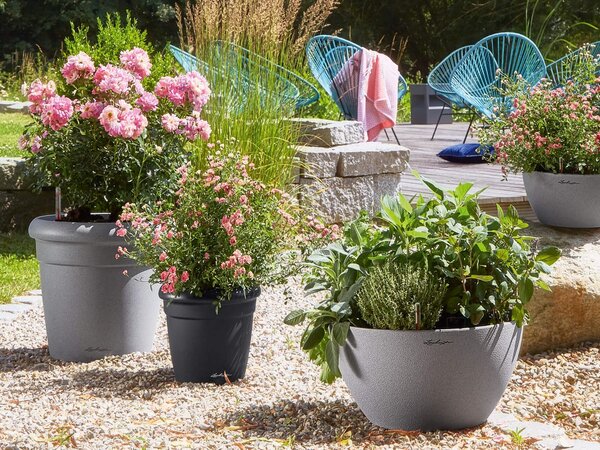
[224,230]
[550,129]
[110,138]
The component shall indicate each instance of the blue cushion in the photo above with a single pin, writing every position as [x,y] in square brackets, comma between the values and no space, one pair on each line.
[463,153]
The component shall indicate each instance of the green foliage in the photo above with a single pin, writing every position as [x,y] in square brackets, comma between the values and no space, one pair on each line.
[224,230]
[253,113]
[18,266]
[97,170]
[11,127]
[389,296]
[549,130]
[490,269]
[115,35]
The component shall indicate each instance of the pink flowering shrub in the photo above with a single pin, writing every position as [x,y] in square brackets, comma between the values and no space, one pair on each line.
[224,230]
[550,130]
[106,136]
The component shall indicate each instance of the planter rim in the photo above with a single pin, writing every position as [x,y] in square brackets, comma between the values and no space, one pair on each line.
[539,172]
[46,228]
[439,330]
[209,295]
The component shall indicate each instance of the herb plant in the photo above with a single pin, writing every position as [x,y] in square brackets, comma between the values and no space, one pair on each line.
[394,295]
[490,268]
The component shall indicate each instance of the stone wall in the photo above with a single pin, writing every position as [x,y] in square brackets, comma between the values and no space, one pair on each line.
[341,174]
[18,205]
[571,312]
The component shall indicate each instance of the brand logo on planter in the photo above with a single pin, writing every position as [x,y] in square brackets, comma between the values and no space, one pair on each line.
[567,182]
[97,349]
[438,342]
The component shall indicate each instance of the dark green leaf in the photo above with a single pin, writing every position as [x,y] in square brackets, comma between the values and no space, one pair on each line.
[340,332]
[548,255]
[525,289]
[313,338]
[332,354]
[295,317]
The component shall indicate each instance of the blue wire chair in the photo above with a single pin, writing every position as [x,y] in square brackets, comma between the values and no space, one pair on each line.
[561,70]
[439,81]
[326,56]
[239,66]
[476,77]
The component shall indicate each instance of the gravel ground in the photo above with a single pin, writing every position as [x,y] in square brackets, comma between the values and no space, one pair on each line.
[134,402]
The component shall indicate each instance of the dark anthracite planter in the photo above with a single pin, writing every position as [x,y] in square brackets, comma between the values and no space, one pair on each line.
[206,345]
[429,380]
[91,309]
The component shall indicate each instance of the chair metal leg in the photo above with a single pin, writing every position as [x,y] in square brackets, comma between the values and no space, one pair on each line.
[386,135]
[438,121]
[394,133]
[469,129]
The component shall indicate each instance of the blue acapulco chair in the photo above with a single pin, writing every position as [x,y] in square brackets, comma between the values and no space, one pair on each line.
[439,81]
[561,70]
[476,77]
[240,67]
[327,56]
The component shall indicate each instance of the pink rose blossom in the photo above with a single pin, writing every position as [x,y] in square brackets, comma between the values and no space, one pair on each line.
[92,110]
[137,62]
[185,276]
[36,145]
[121,232]
[109,119]
[56,112]
[112,79]
[39,93]
[148,102]
[162,257]
[170,122]
[78,66]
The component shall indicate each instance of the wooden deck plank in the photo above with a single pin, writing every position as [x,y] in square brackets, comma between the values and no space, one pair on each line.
[423,159]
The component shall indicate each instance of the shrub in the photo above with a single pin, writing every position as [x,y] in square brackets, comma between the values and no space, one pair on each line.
[550,130]
[224,230]
[490,268]
[107,140]
[389,296]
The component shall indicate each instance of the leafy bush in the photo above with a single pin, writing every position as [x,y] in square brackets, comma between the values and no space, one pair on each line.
[224,230]
[490,268]
[550,130]
[114,36]
[108,141]
[389,296]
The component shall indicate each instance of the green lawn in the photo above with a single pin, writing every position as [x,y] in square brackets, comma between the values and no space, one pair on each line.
[18,266]
[11,127]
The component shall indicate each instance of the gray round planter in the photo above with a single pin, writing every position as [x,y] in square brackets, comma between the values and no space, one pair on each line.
[570,201]
[429,380]
[91,309]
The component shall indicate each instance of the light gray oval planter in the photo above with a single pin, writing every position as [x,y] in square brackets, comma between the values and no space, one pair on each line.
[91,309]
[429,380]
[558,200]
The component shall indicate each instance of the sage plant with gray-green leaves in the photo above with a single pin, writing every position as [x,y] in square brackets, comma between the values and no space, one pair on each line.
[489,267]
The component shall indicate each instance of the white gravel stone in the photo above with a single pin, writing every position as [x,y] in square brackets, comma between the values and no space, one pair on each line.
[133,401]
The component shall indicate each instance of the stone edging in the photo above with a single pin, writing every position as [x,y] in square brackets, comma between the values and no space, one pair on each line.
[20,304]
[14,106]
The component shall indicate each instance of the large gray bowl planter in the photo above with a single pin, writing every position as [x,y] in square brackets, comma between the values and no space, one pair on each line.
[429,380]
[91,309]
[570,201]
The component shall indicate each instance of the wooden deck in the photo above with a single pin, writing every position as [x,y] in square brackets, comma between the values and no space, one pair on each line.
[423,159]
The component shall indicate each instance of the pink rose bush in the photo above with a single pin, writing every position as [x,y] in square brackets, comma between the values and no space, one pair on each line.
[96,135]
[224,230]
[550,129]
